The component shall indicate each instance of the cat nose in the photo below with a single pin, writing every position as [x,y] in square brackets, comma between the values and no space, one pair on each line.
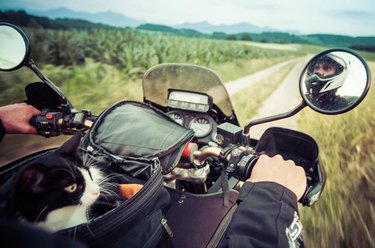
[96,193]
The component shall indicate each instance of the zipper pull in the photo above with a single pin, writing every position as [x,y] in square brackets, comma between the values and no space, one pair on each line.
[166,227]
[156,164]
[90,148]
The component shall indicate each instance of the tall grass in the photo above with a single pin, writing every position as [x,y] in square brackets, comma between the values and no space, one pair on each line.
[94,86]
[12,85]
[345,214]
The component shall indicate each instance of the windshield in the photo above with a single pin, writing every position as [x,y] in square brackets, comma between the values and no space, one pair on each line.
[160,78]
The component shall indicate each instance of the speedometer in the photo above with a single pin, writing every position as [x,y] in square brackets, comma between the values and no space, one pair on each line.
[201,126]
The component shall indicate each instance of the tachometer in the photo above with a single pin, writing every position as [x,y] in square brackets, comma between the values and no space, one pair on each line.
[177,117]
[201,126]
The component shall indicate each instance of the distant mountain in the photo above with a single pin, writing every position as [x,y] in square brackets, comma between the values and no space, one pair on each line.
[205,27]
[119,20]
[108,18]
[23,19]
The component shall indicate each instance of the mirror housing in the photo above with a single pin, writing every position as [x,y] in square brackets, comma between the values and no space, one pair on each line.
[335,81]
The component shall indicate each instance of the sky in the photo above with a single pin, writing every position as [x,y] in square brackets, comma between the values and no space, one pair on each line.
[347,17]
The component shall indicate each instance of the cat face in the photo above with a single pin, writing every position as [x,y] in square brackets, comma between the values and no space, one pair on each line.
[54,191]
[73,214]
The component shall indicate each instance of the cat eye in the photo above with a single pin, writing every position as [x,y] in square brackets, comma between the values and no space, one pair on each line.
[71,188]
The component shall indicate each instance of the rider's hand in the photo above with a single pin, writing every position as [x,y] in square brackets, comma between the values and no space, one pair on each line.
[16,117]
[277,170]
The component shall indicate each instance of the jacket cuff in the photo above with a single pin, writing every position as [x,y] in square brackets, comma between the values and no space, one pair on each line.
[2,131]
[271,190]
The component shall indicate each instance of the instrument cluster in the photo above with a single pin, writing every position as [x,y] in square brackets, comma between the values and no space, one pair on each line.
[203,125]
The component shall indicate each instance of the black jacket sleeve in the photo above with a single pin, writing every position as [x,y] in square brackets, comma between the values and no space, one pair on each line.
[2,131]
[267,216]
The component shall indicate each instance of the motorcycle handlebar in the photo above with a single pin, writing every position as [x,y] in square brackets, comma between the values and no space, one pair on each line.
[239,162]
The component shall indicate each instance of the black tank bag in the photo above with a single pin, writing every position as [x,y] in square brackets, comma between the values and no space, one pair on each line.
[142,143]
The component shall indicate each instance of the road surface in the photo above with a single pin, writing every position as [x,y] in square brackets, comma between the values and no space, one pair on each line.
[283,99]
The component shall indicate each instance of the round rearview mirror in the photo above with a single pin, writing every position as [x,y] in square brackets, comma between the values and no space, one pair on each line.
[14,47]
[335,81]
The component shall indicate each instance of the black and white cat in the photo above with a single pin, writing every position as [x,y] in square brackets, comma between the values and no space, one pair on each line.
[55,191]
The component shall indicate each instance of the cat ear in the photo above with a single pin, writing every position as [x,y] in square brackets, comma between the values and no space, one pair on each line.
[70,146]
[31,178]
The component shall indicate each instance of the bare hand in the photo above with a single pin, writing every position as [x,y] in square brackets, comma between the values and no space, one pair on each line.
[277,170]
[16,117]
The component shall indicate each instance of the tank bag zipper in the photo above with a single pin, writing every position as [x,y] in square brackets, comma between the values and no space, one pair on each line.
[167,228]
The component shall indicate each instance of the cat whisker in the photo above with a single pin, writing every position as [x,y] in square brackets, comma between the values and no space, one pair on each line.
[108,196]
[88,159]
[40,214]
[108,191]
[75,232]
[105,181]
[114,178]
[90,213]
[89,162]
[108,187]
[89,229]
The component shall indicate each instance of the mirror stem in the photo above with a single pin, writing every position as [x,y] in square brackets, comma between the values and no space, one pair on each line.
[246,131]
[65,105]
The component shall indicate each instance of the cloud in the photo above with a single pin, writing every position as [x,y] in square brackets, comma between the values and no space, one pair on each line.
[357,15]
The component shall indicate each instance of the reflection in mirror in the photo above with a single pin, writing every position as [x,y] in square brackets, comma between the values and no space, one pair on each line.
[13,48]
[334,82]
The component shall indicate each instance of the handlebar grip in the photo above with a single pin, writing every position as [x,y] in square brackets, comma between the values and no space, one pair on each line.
[245,167]
[33,121]
[47,123]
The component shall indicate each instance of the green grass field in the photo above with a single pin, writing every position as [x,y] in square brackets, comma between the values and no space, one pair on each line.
[345,214]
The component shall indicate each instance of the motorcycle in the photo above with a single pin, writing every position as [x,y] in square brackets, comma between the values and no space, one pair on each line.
[221,154]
